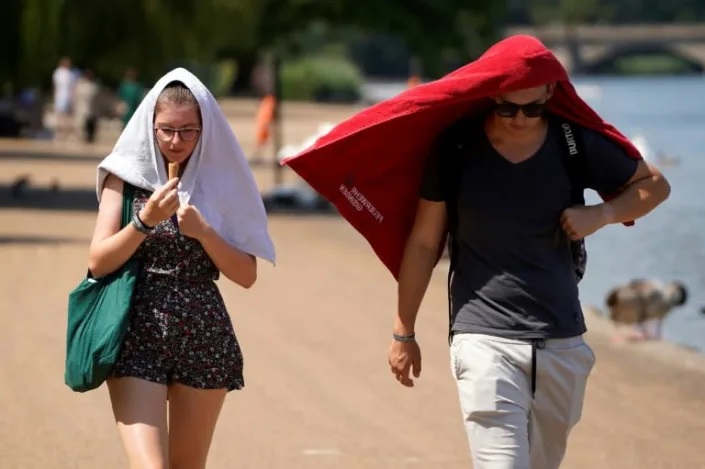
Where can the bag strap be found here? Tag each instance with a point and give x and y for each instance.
(128, 192)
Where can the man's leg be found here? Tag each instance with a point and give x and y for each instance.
(563, 367)
(492, 375)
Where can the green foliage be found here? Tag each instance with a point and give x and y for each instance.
(155, 35)
(326, 78)
(223, 76)
(435, 30)
(569, 12)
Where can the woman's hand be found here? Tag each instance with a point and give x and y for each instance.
(163, 203)
(191, 222)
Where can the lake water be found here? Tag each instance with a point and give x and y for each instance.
(664, 115)
(669, 115)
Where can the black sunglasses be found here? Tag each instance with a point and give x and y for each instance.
(507, 109)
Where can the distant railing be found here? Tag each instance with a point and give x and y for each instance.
(601, 34)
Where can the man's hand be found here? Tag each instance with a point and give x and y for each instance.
(581, 221)
(405, 357)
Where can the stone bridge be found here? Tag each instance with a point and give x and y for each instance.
(583, 44)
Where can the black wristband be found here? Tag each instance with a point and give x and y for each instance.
(404, 338)
(140, 226)
(137, 214)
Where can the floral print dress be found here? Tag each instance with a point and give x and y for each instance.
(180, 330)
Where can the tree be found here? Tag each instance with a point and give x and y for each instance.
(153, 35)
(434, 29)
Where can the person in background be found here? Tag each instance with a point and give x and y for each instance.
(130, 93)
(85, 105)
(64, 82)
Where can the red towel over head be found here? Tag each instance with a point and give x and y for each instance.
(370, 165)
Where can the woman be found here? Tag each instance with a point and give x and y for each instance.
(180, 346)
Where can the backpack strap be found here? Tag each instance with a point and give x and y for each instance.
(453, 150)
(574, 160)
(453, 147)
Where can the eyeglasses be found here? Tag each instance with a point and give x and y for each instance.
(532, 110)
(166, 134)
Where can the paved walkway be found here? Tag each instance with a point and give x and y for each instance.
(315, 332)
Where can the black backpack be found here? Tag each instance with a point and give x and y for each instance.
(453, 145)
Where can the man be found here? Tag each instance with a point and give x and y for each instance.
(518, 355)
(514, 288)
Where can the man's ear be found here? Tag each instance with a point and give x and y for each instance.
(550, 88)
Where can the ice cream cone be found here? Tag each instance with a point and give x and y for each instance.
(173, 170)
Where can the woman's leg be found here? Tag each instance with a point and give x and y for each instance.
(139, 407)
(193, 414)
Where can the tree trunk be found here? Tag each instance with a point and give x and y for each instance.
(243, 81)
(572, 42)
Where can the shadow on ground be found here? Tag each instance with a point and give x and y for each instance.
(40, 240)
(47, 198)
(50, 156)
(23, 195)
(299, 200)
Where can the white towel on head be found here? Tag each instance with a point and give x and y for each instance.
(217, 179)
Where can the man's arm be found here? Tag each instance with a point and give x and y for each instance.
(418, 260)
(646, 189)
(417, 264)
(641, 188)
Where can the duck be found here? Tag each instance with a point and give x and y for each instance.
(642, 301)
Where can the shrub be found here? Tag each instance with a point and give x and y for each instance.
(222, 77)
(321, 78)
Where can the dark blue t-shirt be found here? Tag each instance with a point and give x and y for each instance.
(514, 275)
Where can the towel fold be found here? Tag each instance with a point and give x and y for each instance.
(370, 166)
(217, 179)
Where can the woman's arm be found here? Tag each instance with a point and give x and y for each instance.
(239, 267)
(236, 265)
(111, 246)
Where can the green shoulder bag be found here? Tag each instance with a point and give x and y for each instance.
(98, 316)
